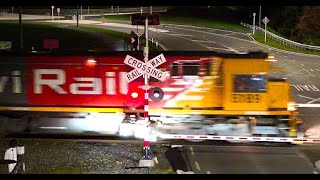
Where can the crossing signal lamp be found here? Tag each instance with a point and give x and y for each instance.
(135, 96)
(156, 94)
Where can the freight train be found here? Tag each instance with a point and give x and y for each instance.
(214, 88)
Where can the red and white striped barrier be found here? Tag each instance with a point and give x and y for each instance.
(239, 138)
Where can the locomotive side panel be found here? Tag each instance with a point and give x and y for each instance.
(13, 83)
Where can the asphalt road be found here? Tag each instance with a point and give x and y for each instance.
(246, 159)
(301, 70)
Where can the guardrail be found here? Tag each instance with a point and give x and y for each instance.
(285, 42)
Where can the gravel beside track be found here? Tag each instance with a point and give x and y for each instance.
(52, 156)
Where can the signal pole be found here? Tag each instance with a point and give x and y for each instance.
(146, 144)
(147, 159)
(259, 16)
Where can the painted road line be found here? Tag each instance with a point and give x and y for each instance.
(204, 41)
(181, 34)
(191, 149)
(197, 165)
(309, 105)
(45, 127)
(208, 172)
(305, 97)
(311, 70)
(220, 49)
(302, 64)
(313, 101)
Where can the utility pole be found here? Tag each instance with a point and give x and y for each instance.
(259, 16)
(88, 10)
(254, 23)
(146, 144)
(77, 16)
(150, 9)
(80, 13)
(118, 10)
(20, 28)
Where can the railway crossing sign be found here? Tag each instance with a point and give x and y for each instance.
(148, 68)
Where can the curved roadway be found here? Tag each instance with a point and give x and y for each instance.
(303, 71)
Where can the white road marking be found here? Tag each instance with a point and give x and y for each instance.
(181, 34)
(130, 26)
(311, 70)
(297, 87)
(305, 97)
(308, 105)
(203, 41)
(191, 149)
(313, 101)
(306, 87)
(197, 165)
(302, 64)
(45, 127)
(295, 72)
(220, 49)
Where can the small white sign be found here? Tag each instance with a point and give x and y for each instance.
(142, 68)
(5, 45)
(265, 20)
(52, 7)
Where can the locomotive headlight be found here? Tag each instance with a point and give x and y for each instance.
(292, 106)
(271, 58)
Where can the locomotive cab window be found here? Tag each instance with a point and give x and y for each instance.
(190, 69)
(208, 68)
(250, 83)
(175, 69)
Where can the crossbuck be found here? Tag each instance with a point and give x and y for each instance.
(148, 68)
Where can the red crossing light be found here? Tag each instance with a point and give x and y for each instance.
(135, 95)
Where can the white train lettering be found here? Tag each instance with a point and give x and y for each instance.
(16, 82)
(82, 85)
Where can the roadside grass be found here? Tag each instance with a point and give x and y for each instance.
(220, 25)
(167, 19)
(35, 33)
(260, 38)
(164, 166)
(126, 37)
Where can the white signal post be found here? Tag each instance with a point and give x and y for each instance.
(146, 144)
(146, 68)
(265, 20)
(254, 23)
(52, 7)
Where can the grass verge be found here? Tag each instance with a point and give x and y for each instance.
(35, 33)
(126, 37)
(167, 19)
(220, 25)
(260, 38)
